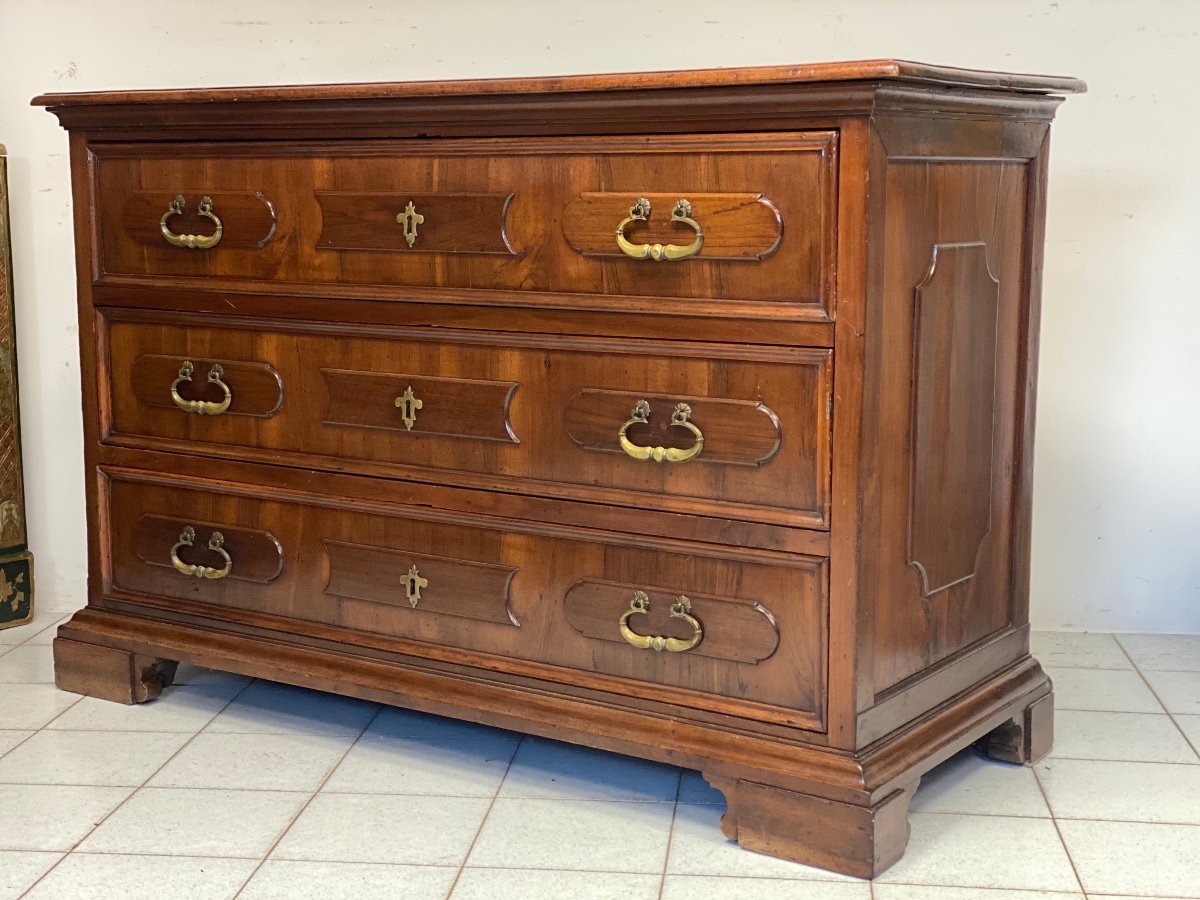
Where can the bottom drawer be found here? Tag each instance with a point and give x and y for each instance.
(724, 629)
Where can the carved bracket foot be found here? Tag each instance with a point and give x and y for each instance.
(1025, 738)
(855, 840)
(110, 673)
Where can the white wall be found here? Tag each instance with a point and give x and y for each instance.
(1117, 504)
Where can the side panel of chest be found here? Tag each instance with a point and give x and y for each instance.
(945, 411)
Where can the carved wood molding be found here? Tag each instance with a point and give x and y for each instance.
(953, 398)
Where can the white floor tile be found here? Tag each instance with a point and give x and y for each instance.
(694, 789)
(188, 675)
(711, 887)
(596, 835)
(30, 706)
(551, 770)
(427, 831)
(89, 876)
(282, 879)
(172, 821)
(262, 762)
(1131, 791)
(1179, 691)
(984, 852)
(971, 783)
(1102, 689)
(10, 739)
(27, 664)
(527, 884)
(452, 767)
(46, 636)
(180, 709)
(699, 848)
(1190, 725)
(267, 707)
(393, 721)
(18, 870)
(43, 618)
(107, 758)
(52, 817)
(1078, 651)
(17, 634)
(931, 892)
(1139, 737)
(1135, 858)
(1171, 652)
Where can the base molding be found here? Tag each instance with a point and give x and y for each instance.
(837, 809)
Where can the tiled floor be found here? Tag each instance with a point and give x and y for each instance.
(227, 787)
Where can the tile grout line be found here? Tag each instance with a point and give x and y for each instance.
(482, 822)
(303, 806)
(131, 794)
(1150, 687)
(662, 881)
(1057, 830)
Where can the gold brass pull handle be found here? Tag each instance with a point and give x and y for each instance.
(680, 609)
(216, 542)
(191, 241)
(681, 418)
(658, 252)
(202, 407)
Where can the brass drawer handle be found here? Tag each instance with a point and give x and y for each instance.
(191, 241)
(681, 418)
(658, 252)
(216, 542)
(681, 609)
(201, 407)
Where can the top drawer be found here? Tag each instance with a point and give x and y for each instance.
(451, 219)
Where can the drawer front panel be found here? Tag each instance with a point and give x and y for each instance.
(502, 591)
(690, 429)
(539, 217)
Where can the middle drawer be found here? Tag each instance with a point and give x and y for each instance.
(706, 429)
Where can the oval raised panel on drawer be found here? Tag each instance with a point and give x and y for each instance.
(423, 583)
(746, 227)
(248, 218)
(255, 554)
(736, 432)
(451, 222)
(255, 388)
(450, 407)
(733, 629)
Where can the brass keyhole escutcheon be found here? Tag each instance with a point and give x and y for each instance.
(413, 582)
(408, 403)
(409, 220)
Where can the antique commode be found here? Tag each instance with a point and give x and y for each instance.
(687, 415)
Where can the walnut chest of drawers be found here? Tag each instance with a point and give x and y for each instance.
(687, 415)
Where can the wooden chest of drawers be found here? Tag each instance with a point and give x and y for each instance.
(687, 415)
